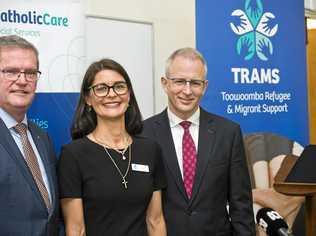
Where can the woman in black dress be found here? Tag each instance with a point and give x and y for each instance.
(110, 178)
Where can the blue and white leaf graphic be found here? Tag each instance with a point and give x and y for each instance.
(255, 29)
(263, 46)
(244, 25)
(264, 27)
(246, 46)
(254, 10)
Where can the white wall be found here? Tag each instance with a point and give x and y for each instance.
(173, 23)
(311, 23)
(310, 4)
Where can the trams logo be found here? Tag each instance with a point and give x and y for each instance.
(255, 28)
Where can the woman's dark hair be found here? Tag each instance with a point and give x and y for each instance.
(85, 119)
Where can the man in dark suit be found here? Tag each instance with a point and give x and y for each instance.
(208, 189)
(28, 186)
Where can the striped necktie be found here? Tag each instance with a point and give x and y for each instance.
(32, 162)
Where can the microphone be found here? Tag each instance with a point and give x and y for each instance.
(272, 223)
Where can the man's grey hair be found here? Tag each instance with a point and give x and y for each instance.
(188, 53)
(14, 41)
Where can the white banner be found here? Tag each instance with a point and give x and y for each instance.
(56, 28)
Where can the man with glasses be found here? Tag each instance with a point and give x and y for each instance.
(208, 189)
(28, 187)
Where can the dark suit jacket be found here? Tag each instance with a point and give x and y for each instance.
(221, 177)
(22, 209)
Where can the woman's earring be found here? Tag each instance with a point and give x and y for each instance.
(89, 108)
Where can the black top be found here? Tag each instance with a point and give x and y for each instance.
(87, 172)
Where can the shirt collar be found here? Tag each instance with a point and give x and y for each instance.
(8, 120)
(175, 120)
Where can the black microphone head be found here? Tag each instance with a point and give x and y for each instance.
(270, 221)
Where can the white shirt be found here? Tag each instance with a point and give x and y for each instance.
(10, 122)
(177, 133)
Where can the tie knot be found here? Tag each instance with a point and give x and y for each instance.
(185, 125)
(20, 128)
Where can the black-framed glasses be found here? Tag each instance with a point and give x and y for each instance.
(182, 82)
(14, 74)
(102, 89)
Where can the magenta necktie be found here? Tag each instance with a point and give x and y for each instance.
(189, 158)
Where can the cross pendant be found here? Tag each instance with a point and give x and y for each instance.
(125, 183)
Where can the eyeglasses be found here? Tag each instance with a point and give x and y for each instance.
(14, 74)
(102, 90)
(181, 83)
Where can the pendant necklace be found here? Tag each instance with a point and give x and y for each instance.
(124, 182)
(121, 152)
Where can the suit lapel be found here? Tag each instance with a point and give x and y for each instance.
(206, 142)
(11, 147)
(164, 136)
(44, 155)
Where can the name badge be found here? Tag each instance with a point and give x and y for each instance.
(139, 167)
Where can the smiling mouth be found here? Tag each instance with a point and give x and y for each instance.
(112, 104)
(20, 92)
(184, 100)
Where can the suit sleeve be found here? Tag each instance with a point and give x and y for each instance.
(240, 197)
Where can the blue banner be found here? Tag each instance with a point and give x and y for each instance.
(257, 64)
(54, 112)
